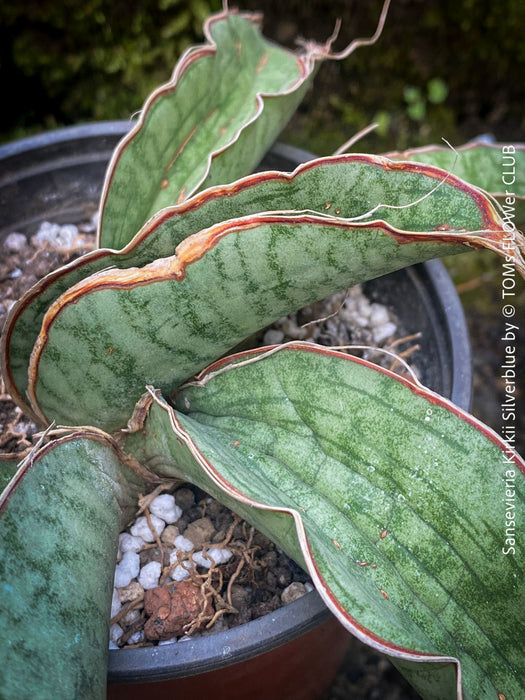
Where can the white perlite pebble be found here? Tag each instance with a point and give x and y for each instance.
(273, 337)
(183, 544)
(291, 328)
(164, 507)
(219, 556)
(115, 632)
(383, 332)
(142, 529)
(129, 543)
(180, 572)
(15, 242)
(61, 238)
(116, 605)
(136, 638)
(149, 575)
(127, 569)
(379, 315)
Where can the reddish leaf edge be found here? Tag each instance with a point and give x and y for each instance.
(494, 238)
(363, 634)
(39, 451)
(412, 153)
(308, 54)
(305, 62)
(197, 245)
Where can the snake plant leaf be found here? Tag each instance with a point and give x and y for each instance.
(60, 517)
(212, 123)
(498, 168)
(8, 468)
(344, 186)
(111, 334)
(107, 337)
(403, 508)
(225, 105)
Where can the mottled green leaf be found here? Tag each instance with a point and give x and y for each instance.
(498, 168)
(59, 524)
(8, 468)
(345, 186)
(396, 501)
(116, 331)
(212, 123)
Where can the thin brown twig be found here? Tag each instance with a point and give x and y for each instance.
(404, 355)
(405, 339)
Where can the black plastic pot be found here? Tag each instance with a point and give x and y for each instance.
(58, 176)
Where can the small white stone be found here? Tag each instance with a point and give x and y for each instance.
(292, 329)
(168, 641)
(112, 644)
(174, 557)
(15, 242)
(129, 543)
(62, 238)
(183, 544)
(361, 321)
(136, 638)
(180, 572)
(17, 272)
(379, 315)
(383, 332)
(364, 307)
(127, 569)
(201, 560)
(149, 575)
(164, 507)
(218, 556)
(115, 632)
(116, 605)
(141, 528)
(273, 337)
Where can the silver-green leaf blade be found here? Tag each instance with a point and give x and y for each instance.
(498, 168)
(342, 187)
(59, 523)
(212, 123)
(396, 500)
(105, 339)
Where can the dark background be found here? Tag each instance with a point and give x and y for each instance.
(73, 61)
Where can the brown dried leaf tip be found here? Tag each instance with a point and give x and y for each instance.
(173, 609)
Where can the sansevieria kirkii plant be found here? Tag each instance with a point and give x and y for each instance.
(126, 348)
